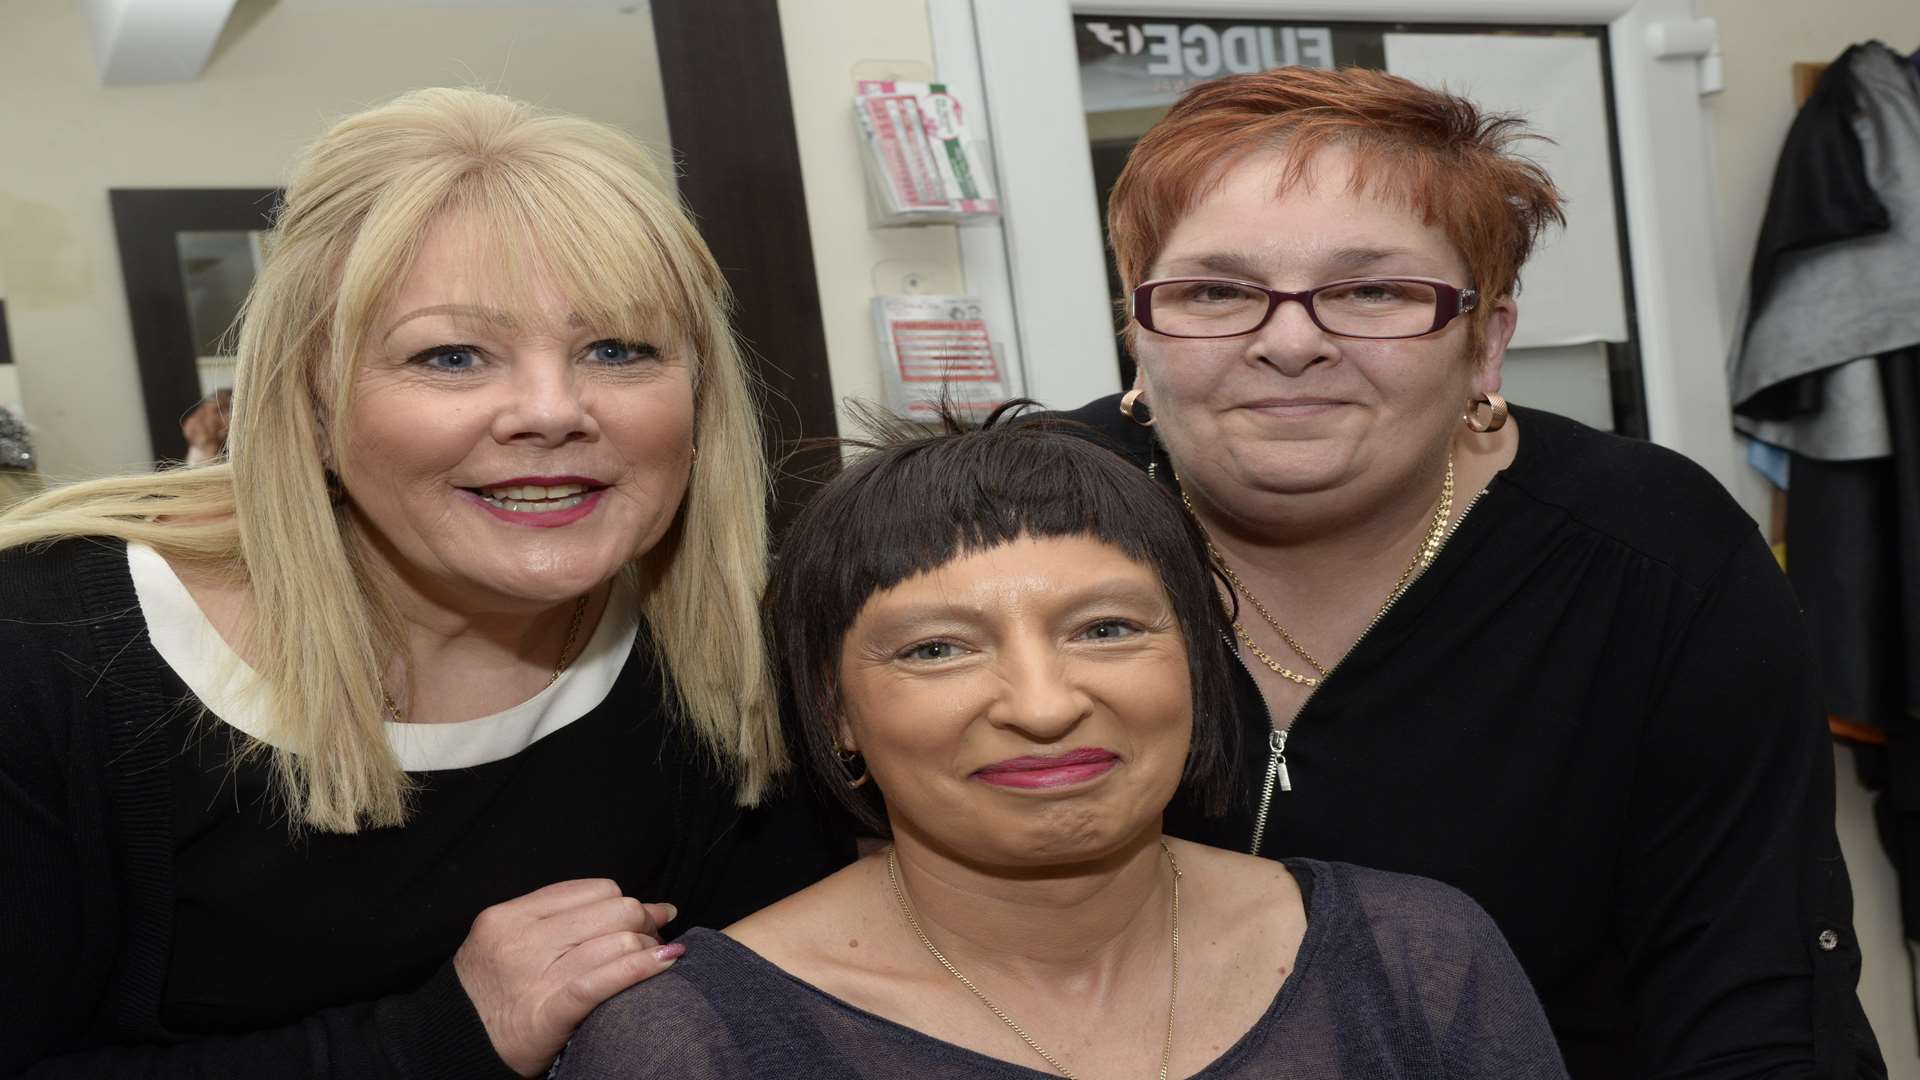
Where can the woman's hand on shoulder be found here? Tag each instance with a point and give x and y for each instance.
(535, 966)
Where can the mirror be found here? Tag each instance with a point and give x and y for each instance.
(217, 267)
(188, 256)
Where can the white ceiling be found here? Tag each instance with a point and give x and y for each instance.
(161, 41)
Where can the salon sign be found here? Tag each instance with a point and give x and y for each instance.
(1142, 62)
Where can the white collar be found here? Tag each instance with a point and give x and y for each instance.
(194, 649)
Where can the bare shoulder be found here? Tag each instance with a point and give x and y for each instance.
(1240, 884)
(1241, 923)
(840, 935)
(1251, 907)
(816, 924)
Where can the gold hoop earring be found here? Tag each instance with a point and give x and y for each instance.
(1495, 419)
(846, 758)
(1132, 400)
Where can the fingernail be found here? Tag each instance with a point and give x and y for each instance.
(667, 954)
(672, 912)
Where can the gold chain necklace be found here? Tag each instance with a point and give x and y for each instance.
(566, 656)
(1166, 1048)
(1422, 558)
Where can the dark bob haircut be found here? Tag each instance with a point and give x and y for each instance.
(916, 502)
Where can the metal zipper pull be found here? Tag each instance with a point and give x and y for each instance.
(1277, 739)
(1277, 742)
(1276, 775)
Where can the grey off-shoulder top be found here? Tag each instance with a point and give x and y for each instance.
(1397, 977)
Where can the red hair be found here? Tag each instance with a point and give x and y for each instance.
(1431, 151)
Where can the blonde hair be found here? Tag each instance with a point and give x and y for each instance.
(573, 201)
(17, 485)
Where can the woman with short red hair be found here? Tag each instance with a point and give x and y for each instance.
(1479, 643)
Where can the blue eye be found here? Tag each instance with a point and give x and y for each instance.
(620, 353)
(448, 358)
(1110, 630)
(930, 650)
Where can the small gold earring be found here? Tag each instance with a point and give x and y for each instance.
(846, 757)
(1130, 402)
(1496, 417)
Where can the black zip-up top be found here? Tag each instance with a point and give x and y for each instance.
(1593, 713)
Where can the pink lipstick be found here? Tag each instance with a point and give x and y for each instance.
(1051, 771)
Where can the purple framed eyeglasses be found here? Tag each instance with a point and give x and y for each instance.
(1371, 308)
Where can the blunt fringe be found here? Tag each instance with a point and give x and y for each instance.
(1435, 153)
(550, 197)
(917, 501)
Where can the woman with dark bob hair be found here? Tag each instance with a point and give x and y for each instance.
(1553, 667)
(999, 648)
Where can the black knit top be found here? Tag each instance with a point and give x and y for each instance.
(157, 917)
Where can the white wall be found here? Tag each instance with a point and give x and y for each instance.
(825, 43)
(1761, 40)
(282, 72)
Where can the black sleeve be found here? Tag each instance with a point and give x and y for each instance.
(1735, 911)
(429, 1034)
(65, 956)
(47, 972)
(48, 1028)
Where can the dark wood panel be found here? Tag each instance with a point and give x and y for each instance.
(1626, 374)
(146, 221)
(731, 121)
(1806, 75)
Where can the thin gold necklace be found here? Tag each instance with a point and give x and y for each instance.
(1422, 558)
(1166, 1048)
(566, 657)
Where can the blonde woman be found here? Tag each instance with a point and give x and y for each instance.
(391, 747)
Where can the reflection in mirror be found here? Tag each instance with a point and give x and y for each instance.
(217, 268)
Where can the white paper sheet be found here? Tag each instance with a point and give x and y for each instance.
(1572, 290)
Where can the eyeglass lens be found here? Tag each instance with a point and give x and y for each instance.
(1384, 308)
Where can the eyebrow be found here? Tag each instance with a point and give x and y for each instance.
(1230, 263)
(468, 311)
(1247, 267)
(1105, 592)
(1359, 258)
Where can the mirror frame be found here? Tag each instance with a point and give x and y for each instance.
(146, 222)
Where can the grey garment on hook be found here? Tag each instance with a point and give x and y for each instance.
(1835, 307)
(1850, 425)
